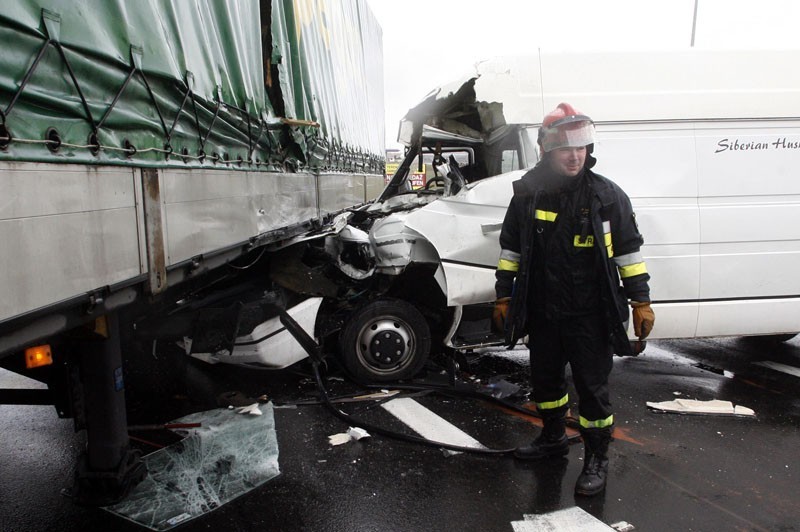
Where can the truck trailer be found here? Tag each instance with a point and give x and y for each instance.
(150, 153)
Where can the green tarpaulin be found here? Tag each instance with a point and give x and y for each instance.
(267, 85)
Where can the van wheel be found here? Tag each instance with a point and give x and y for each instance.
(385, 340)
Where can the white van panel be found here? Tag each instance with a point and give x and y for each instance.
(667, 221)
(675, 272)
(748, 159)
(648, 160)
(656, 165)
(673, 320)
(751, 219)
(467, 284)
(615, 86)
(739, 270)
(749, 201)
(734, 318)
(718, 203)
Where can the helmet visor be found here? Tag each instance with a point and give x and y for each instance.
(575, 134)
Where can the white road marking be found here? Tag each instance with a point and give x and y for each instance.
(568, 520)
(429, 425)
(777, 366)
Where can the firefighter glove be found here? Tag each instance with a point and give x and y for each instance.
(643, 319)
(500, 313)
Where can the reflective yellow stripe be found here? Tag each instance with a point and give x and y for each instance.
(633, 269)
(597, 424)
(609, 247)
(545, 215)
(549, 405)
(588, 243)
(507, 254)
(507, 265)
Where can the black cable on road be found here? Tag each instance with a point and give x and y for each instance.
(351, 421)
(314, 351)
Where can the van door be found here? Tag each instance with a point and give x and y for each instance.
(655, 163)
(749, 200)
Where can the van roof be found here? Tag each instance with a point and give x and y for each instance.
(689, 84)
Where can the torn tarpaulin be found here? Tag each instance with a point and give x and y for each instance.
(692, 406)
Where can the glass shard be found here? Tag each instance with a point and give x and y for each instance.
(228, 456)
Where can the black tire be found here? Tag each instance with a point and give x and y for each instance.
(365, 335)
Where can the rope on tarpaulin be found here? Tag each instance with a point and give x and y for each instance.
(259, 133)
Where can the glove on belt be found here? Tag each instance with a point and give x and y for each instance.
(643, 319)
(500, 313)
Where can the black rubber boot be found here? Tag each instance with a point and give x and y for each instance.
(592, 479)
(550, 443)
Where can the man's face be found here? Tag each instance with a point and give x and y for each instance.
(567, 161)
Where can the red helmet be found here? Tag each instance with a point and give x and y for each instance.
(565, 127)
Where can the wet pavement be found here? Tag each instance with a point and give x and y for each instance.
(668, 471)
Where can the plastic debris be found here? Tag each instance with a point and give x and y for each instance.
(693, 406)
(250, 409)
(339, 439)
(357, 433)
(352, 434)
(622, 526)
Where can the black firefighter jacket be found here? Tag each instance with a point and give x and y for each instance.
(617, 241)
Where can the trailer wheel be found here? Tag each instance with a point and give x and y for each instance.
(385, 340)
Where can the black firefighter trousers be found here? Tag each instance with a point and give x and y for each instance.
(584, 343)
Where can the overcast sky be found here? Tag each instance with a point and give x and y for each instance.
(427, 43)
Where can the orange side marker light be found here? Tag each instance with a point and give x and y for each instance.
(38, 356)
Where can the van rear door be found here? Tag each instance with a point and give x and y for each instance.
(749, 199)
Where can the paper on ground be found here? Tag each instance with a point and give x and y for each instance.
(567, 520)
(693, 406)
(339, 439)
(352, 434)
(357, 433)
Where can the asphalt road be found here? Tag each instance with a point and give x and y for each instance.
(668, 471)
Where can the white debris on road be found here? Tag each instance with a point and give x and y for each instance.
(253, 410)
(693, 406)
(352, 434)
(567, 520)
(357, 433)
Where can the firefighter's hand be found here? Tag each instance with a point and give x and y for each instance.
(500, 313)
(643, 319)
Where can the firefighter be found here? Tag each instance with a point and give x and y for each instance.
(569, 267)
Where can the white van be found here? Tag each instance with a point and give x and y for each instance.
(706, 144)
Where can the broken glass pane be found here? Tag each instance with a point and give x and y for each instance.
(229, 455)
